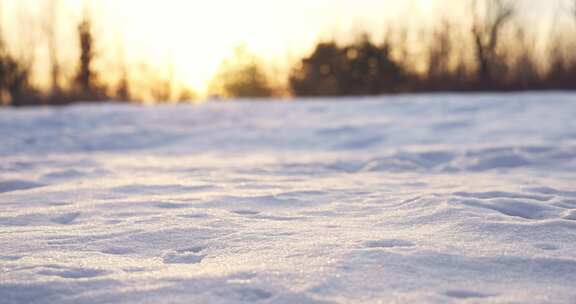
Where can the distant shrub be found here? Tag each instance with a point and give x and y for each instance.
(241, 76)
(362, 68)
(15, 87)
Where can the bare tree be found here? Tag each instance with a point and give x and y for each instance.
(51, 28)
(15, 74)
(525, 69)
(440, 53)
(489, 19)
(162, 88)
(15, 85)
(85, 76)
(123, 84)
(87, 79)
(123, 90)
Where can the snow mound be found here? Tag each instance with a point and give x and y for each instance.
(417, 198)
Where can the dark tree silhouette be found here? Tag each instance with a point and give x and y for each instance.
(562, 70)
(50, 30)
(86, 78)
(446, 69)
(362, 68)
(317, 74)
(489, 20)
(15, 88)
(123, 88)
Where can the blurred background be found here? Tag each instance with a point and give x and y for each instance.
(56, 52)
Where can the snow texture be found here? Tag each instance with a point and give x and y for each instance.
(408, 199)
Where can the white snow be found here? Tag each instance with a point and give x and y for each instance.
(409, 199)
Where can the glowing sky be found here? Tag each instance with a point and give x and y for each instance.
(195, 36)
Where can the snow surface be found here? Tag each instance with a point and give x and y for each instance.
(417, 198)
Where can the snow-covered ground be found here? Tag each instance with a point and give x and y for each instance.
(408, 199)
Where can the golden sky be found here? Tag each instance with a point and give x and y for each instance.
(194, 36)
(197, 35)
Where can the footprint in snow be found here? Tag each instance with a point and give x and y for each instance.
(73, 273)
(466, 294)
(193, 216)
(515, 208)
(66, 174)
(66, 218)
(191, 255)
(134, 269)
(545, 246)
(246, 212)
(169, 205)
(246, 294)
(390, 243)
(16, 185)
(10, 257)
(117, 250)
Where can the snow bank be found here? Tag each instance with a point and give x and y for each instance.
(421, 198)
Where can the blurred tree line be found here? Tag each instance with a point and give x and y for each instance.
(496, 53)
(15, 76)
(78, 79)
(491, 51)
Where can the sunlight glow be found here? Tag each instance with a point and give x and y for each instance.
(188, 40)
(195, 37)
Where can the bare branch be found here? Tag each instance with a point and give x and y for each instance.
(488, 24)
